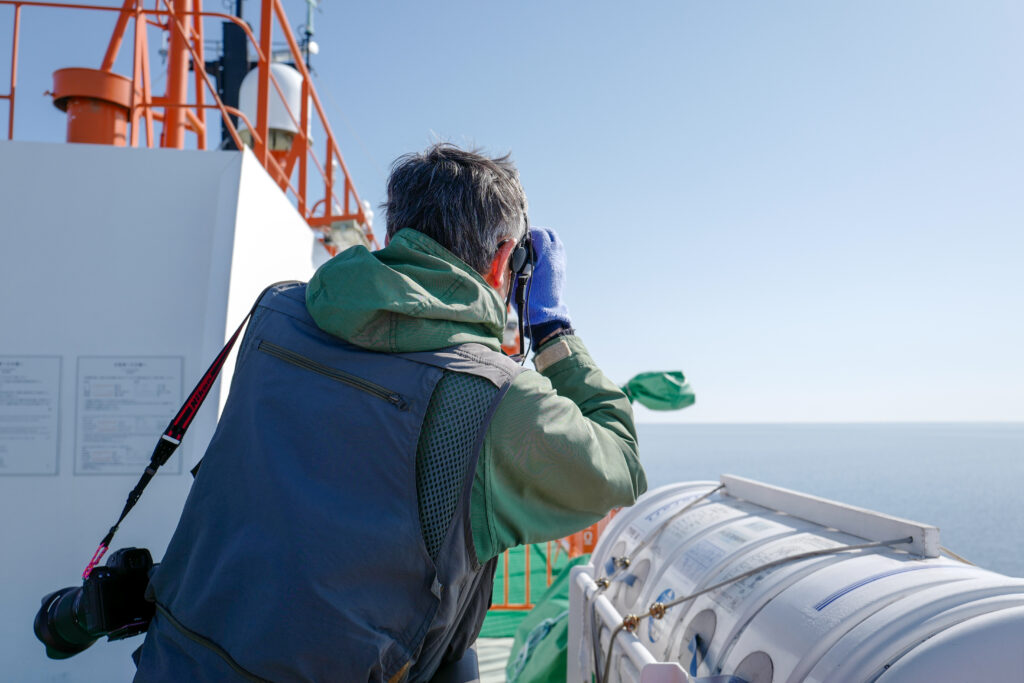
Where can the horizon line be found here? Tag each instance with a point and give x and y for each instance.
(829, 422)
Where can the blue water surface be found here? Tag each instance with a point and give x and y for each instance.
(965, 478)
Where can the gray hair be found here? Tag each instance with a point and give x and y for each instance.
(463, 200)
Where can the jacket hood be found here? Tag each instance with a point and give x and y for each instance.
(412, 295)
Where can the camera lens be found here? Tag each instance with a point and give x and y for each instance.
(58, 627)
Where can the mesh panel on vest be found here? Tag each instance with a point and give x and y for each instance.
(454, 417)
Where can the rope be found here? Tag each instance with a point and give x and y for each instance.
(630, 622)
(956, 557)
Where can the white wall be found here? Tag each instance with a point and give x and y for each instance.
(113, 256)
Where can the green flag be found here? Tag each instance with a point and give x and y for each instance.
(660, 390)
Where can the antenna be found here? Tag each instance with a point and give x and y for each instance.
(309, 47)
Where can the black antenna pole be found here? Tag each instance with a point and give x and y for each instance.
(309, 36)
(230, 69)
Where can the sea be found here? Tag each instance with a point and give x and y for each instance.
(965, 478)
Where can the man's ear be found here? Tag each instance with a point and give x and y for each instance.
(497, 274)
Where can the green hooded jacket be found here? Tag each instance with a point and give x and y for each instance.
(561, 449)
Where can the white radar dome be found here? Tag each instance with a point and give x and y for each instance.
(278, 109)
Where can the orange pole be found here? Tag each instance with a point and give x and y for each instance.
(14, 72)
(147, 93)
(301, 139)
(549, 563)
(118, 36)
(329, 189)
(177, 81)
(136, 110)
(263, 80)
(199, 117)
(527, 601)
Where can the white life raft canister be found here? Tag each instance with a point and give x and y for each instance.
(898, 612)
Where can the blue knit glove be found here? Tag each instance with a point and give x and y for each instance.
(546, 310)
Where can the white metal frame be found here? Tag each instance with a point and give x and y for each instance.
(873, 526)
(583, 597)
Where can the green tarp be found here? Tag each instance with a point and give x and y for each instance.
(539, 650)
(541, 634)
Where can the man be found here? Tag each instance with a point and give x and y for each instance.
(377, 451)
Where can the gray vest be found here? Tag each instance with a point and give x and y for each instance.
(302, 551)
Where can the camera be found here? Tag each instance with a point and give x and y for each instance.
(110, 602)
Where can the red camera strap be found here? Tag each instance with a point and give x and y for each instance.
(175, 432)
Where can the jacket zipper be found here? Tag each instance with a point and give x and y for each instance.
(289, 356)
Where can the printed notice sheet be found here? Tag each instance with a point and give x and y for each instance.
(124, 404)
(29, 414)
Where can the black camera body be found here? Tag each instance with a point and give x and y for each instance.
(113, 597)
(111, 602)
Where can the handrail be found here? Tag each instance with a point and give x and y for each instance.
(183, 20)
(580, 543)
(506, 604)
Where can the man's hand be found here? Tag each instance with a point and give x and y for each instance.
(547, 313)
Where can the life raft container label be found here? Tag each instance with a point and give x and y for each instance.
(731, 596)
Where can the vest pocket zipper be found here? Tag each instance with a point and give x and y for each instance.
(289, 356)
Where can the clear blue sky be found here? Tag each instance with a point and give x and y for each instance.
(815, 210)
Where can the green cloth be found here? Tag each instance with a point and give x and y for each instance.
(561, 448)
(660, 390)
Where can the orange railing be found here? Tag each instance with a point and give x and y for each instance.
(579, 543)
(505, 576)
(183, 21)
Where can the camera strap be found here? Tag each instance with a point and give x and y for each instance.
(175, 432)
(521, 263)
(524, 285)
